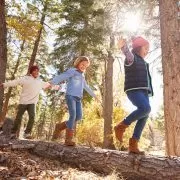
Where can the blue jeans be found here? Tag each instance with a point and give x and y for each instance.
(75, 110)
(140, 99)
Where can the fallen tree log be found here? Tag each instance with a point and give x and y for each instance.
(107, 161)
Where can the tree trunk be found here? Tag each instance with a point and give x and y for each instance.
(131, 167)
(84, 39)
(7, 127)
(170, 43)
(36, 43)
(3, 49)
(108, 101)
(8, 95)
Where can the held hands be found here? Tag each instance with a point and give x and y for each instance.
(53, 87)
(56, 87)
(48, 85)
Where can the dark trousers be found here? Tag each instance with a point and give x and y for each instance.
(30, 108)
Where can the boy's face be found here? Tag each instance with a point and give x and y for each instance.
(35, 73)
(82, 66)
(144, 51)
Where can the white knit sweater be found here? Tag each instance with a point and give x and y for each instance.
(31, 88)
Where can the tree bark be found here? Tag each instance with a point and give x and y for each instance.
(8, 95)
(131, 167)
(7, 127)
(3, 49)
(22, 146)
(108, 100)
(36, 43)
(170, 44)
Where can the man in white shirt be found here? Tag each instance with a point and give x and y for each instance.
(31, 87)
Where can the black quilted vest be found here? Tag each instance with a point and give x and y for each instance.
(137, 75)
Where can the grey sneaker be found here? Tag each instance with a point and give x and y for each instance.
(27, 136)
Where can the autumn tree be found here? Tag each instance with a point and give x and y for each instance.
(22, 32)
(170, 43)
(3, 49)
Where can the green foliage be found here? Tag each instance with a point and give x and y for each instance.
(81, 31)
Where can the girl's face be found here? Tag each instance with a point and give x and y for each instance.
(144, 51)
(82, 66)
(35, 73)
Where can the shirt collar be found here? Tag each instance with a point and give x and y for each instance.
(79, 71)
(33, 77)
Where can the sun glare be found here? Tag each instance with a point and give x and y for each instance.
(132, 22)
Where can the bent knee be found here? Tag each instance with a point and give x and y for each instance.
(146, 109)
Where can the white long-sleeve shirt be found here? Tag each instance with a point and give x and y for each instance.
(31, 88)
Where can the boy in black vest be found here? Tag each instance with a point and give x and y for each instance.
(138, 87)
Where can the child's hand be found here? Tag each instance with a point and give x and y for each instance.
(121, 43)
(48, 85)
(98, 100)
(53, 87)
(1, 85)
(56, 87)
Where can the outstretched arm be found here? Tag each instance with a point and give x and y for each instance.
(64, 76)
(13, 83)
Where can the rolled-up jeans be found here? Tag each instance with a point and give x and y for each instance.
(75, 110)
(140, 99)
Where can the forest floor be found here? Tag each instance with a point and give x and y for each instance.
(22, 165)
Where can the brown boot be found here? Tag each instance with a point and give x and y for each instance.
(58, 129)
(119, 130)
(69, 137)
(133, 147)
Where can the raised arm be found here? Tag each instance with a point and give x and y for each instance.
(64, 76)
(129, 55)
